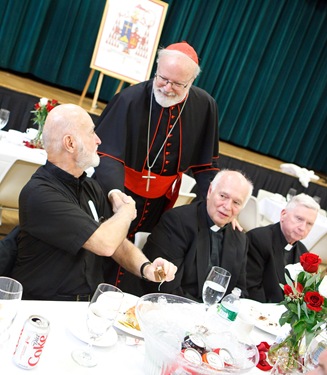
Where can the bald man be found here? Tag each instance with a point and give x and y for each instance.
(67, 226)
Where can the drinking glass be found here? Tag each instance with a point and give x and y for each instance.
(4, 117)
(288, 366)
(290, 194)
(215, 286)
(317, 199)
(10, 296)
(101, 314)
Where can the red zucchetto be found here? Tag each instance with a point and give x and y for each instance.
(185, 48)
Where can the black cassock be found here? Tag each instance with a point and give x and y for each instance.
(192, 145)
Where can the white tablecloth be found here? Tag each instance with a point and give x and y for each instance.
(56, 357)
(271, 209)
(17, 149)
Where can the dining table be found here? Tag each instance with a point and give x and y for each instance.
(13, 144)
(270, 209)
(125, 354)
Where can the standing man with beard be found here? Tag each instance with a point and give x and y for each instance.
(154, 131)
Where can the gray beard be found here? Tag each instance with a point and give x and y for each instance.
(166, 101)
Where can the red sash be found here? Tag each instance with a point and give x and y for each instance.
(159, 186)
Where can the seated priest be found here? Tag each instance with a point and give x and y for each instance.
(274, 246)
(67, 226)
(197, 236)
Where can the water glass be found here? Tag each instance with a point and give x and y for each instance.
(101, 315)
(10, 296)
(4, 117)
(290, 194)
(317, 199)
(214, 288)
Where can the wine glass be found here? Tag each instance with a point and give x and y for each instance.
(101, 314)
(10, 296)
(317, 199)
(290, 194)
(4, 117)
(215, 286)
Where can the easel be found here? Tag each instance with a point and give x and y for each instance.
(97, 90)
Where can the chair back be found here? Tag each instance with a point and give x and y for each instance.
(264, 194)
(140, 239)
(187, 183)
(249, 217)
(185, 195)
(13, 181)
(8, 252)
(320, 248)
(184, 198)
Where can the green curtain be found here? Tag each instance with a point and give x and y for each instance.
(264, 61)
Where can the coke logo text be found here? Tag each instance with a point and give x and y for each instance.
(38, 345)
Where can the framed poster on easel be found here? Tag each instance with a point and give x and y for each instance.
(127, 41)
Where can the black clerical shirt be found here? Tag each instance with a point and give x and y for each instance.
(56, 220)
(216, 243)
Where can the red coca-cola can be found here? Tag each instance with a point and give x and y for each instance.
(31, 341)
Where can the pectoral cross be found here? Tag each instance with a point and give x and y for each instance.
(148, 177)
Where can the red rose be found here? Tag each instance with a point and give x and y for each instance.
(51, 104)
(313, 300)
(288, 289)
(310, 262)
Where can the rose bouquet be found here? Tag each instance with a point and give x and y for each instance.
(41, 110)
(306, 310)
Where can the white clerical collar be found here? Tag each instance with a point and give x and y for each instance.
(215, 228)
(288, 247)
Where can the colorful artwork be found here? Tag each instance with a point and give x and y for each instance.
(128, 38)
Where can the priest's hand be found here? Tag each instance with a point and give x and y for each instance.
(121, 201)
(160, 270)
(236, 224)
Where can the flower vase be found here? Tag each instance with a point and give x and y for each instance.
(37, 141)
(288, 353)
(282, 367)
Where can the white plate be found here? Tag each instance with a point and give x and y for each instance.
(79, 329)
(265, 315)
(129, 301)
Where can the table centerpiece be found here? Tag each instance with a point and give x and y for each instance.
(40, 111)
(306, 311)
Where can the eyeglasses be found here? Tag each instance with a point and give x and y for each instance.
(164, 81)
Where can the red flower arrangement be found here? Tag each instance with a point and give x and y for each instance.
(41, 110)
(306, 309)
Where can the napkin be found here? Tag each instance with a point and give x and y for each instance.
(304, 175)
(263, 364)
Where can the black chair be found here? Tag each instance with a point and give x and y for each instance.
(8, 252)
